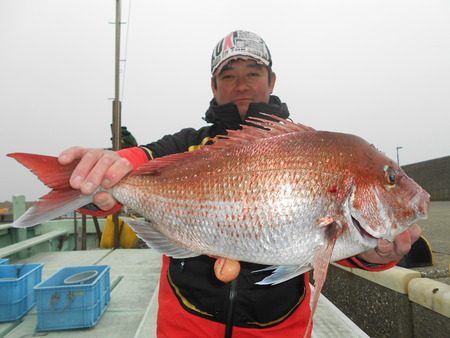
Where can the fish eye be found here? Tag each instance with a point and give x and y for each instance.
(390, 174)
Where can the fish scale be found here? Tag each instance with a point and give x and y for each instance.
(232, 196)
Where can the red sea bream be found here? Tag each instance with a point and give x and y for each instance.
(287, 196)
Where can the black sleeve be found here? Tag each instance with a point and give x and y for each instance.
(178, 142)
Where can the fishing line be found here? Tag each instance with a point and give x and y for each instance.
(125, 51)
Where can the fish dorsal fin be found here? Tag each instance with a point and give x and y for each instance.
(259, 128)
(154, 166)
(256, 129)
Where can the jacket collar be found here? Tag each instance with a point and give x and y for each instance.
(227, 116)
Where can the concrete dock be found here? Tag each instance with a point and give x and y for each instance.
(133, 307)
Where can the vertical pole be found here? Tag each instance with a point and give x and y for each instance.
(398, 156)
(116, 103)
(75, 231)
(83, 232)
(116, 125)
(79, 237)
(19, 208)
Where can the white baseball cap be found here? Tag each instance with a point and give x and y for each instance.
(240, 45)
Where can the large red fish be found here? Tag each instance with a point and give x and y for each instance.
(286, 196)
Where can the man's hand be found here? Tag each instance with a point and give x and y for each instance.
(97, 168)
(387, 252)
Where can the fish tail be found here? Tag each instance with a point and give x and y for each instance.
(61, 200)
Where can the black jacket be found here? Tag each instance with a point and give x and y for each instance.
(197, 288)
(222, 117)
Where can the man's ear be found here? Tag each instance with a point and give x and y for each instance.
(214, 85)
(273, 79)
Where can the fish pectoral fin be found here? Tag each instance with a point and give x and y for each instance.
(321, 262)
(282, 273)
(156, 240)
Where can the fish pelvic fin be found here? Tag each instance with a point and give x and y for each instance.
(156, 240)
(61, 200)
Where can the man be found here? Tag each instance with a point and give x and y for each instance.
(192, 301)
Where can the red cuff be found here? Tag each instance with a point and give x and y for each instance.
(135, 155)
(354, 262)
(93, 210)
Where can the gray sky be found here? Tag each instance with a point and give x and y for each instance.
(377, 69)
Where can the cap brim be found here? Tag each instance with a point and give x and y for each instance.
(241, 56)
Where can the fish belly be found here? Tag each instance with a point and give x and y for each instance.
(271, 227)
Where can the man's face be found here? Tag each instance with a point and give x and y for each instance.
(242, 82)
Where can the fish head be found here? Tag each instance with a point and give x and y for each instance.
(384, 201)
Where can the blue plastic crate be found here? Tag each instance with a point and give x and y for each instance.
(16, 289)
(63, 305)
(4, 261)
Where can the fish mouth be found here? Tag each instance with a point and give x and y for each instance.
(361, 229)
